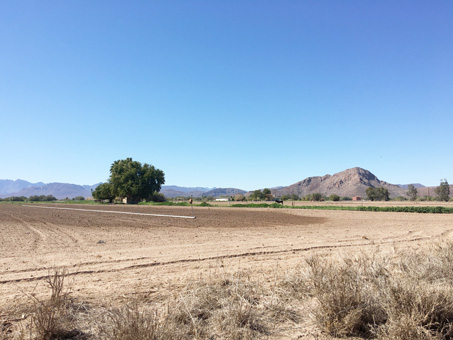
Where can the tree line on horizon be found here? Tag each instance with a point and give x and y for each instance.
(442, 192)
(40, 198)
(33, 198)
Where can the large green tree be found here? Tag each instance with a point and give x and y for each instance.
(131, 179)
(443, 191)
(378, 194)
(267, 194)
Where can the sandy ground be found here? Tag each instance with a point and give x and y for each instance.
(114, 256)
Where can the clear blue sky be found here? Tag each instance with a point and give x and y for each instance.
(245, 94)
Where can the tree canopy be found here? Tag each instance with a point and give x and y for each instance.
(288, 197)
(239, 197)
(412, 192)
(103, 192)
(334, 197)
(257, 195)
(131, 179)
(42, 198)
(443, 191)
(378, 194)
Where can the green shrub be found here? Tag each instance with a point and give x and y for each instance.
(334, 198)
(400, 198)
(79, 198)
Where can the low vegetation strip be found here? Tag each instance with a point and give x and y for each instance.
(426, 210)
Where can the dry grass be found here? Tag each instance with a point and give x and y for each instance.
(228, 307)
(49, 317)
(348, 294)
(131, 322)
(231, 307)
(46, 319)
(403, 295)
(410, 297)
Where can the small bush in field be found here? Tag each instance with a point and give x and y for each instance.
(50, 318)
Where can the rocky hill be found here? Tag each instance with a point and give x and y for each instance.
(351, 182)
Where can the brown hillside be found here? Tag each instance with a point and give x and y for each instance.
(351, 182)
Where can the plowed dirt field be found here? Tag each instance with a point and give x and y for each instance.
(110, 255)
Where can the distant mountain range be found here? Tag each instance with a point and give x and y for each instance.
(350, 182)
(9, 188)
(19, 187)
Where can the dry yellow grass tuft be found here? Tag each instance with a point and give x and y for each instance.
(410, 297)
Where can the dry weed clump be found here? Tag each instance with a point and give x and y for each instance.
(418, 309)
(419, 298)
(227, 308)
(132, 322)
(348, 294)
(48, 316)
(53, 318)
(434, 264)
(410, 297)
(5, 329)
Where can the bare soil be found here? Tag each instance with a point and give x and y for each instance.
(111, 256)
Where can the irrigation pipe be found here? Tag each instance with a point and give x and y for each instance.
(111, 212)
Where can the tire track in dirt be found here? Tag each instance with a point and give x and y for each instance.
(211, 258)
(73, 265)
(446, 233)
